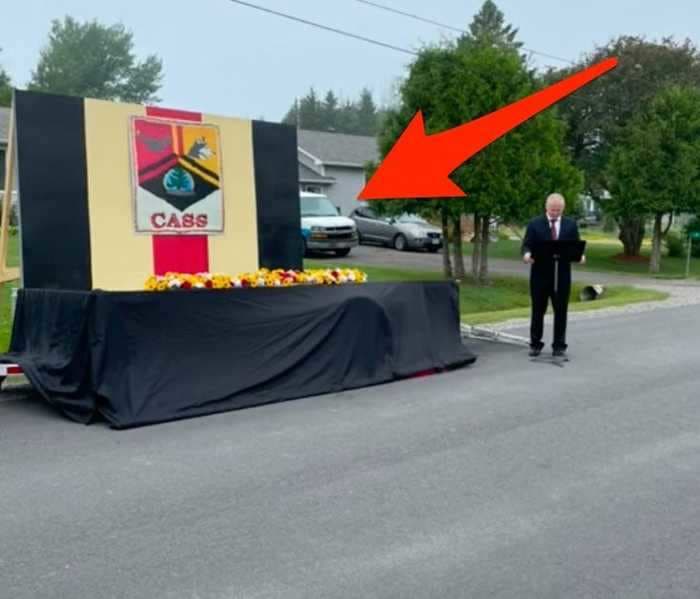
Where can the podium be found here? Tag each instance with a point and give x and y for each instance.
(556, 251)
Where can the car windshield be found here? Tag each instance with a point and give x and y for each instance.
(412, 219)
(319, 206)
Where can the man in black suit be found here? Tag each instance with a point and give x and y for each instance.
(552, 225)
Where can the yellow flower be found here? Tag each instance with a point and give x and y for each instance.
(263, 277)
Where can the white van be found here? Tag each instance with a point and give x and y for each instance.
(322, 227)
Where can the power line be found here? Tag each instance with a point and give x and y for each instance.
(445, 26)
(411, 15)
(325, 27)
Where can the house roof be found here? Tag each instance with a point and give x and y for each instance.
(4, 125)
(338, 148)
(306, 175)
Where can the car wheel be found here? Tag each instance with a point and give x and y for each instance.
(343, 252)
(433, 249)
(400, 243)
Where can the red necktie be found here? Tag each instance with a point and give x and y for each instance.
(554, 229)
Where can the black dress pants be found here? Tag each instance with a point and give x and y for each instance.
(541, 293)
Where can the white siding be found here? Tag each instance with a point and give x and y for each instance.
(348, 185)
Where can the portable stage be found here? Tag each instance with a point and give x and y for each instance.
(113, 193)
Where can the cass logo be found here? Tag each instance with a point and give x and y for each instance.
(177, 176)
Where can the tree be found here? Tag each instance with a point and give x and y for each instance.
(597, 114)
(292, 116)
(308, 113)
(330, 111)
(508, 180)
(358, 118)
(311, 112)
(655, 168)
(488, 28)
(93, 60)
(347, 118)
(5, 88)
(366, 110)
(428, 86)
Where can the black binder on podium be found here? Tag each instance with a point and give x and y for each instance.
(557, 251)
(564, 250)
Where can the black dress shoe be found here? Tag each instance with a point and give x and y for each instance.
(534, 352)
(560, 353)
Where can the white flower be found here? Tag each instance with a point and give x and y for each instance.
(343, 279)
(199, 286)
(175, 284)
(236, 283)
(261, 282)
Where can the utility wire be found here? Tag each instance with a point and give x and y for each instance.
(325, 27)
(450, 27)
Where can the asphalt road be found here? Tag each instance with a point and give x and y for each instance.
(508, 479)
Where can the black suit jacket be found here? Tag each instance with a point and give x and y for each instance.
(542, 272)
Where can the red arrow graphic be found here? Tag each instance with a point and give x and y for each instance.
(419, 165)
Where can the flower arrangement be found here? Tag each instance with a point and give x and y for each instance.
(261, 278)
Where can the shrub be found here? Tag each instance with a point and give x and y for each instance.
(674, 244)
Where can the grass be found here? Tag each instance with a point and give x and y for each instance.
(13, 250)
(602, 254)
(6, 292)
(613, 297)
(506, 297)
(5, 323)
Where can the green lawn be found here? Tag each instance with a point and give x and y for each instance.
(5, 324)
(5, 293)
(13, 250)
(602, 254)
(505, 297)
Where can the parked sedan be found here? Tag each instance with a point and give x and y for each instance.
(408, 231)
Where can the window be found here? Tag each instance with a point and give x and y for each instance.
(365, 213)
(311, 188)
(412, 219)
(318, 206)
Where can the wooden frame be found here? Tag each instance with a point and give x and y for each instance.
(8, 274)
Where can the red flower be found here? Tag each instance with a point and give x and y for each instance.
(186, 285)
(208, 284)
(245, 283)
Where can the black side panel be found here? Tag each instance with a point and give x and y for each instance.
(277, 190)
(53, 191)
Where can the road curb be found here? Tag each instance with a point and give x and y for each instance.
(487, 334)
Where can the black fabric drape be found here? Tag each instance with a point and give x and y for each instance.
(50, 342)
(139, 358)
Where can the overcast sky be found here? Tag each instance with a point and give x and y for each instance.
(224, 58)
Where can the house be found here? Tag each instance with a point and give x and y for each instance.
(334, 164)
